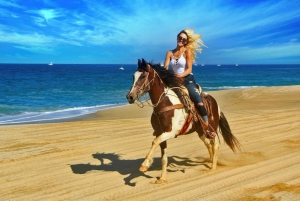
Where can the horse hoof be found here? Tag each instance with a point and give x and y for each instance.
(160, 181)
(143, 168)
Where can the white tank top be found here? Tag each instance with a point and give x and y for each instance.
(178, 64)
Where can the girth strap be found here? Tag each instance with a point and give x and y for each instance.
(188, 121)
(168, 108)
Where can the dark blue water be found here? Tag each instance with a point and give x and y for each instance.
(37, 92)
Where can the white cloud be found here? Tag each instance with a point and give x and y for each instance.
(147, 26)
(39, 21)
(251, 54)
(80, 22)
(154, 24)
(49, 14)
(35, 40)
(37, 49)
(10, 3)
(50, 3)
(5, 13)
(23, 38)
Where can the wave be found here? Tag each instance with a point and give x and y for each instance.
(53, 116)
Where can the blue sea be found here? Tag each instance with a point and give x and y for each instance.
(36, 93)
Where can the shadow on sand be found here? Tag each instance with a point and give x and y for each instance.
(125, 167)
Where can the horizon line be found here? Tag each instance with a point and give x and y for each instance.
(157, 63)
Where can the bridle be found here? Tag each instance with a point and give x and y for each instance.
(141, 90)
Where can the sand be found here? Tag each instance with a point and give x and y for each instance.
(97, 158)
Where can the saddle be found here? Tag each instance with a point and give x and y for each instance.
(189, 106)
(187, 92)
(184, 97)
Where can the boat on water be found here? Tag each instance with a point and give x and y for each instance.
(50, 64)
(121, 68)
(162, 64)
(219, 65)
(236, 65)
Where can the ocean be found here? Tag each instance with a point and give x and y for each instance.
(37, 93)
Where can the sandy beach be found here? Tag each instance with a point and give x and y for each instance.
(98, 158)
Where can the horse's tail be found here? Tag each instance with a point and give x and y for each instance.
(229, 138)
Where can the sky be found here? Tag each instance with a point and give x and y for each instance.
(122, 31)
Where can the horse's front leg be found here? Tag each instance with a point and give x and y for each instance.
(149, 158)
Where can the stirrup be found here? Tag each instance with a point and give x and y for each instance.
(209, 134)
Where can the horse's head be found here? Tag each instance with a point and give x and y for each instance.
(140, 84)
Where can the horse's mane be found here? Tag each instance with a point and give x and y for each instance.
(167, 76)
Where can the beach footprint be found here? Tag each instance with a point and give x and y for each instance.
(292, 143)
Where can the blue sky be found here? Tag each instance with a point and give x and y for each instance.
(120, 31)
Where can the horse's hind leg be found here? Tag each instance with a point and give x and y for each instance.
(212, 146)
(215, 149)
(164, 163)
(208, 146)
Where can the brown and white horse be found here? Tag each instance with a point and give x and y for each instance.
(169, 117)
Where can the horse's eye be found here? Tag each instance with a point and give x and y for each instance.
(143, 76)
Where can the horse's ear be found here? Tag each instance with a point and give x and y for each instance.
(139, 63)
(145, 65)
(144, 62)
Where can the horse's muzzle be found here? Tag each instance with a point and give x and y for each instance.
(130, 98)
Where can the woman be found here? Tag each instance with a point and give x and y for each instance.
(181, 60)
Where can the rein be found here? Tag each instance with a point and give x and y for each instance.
(140, 103)
(161, 98)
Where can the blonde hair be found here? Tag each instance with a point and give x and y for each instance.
(194, 41)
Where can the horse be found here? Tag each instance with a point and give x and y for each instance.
(170, 118)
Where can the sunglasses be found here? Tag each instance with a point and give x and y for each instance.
(181, 39)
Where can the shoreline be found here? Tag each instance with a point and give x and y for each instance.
(118, 112)
(51, 118)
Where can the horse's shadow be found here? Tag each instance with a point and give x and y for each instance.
(125, 167)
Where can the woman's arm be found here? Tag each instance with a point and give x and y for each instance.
(167, 59)
(189, 62)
